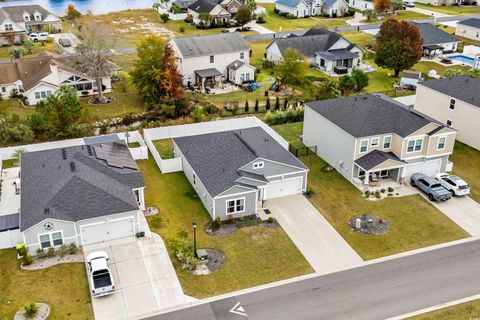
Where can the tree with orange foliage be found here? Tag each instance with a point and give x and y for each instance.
(382, 5)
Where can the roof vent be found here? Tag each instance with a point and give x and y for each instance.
(72, 167)
(364, 98)
(89, 150)
(64, 154)
(46, 211)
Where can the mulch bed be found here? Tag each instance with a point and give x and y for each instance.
(215, 261)
(43, 313)
(107, 100)
(228, 227)
(370, 224)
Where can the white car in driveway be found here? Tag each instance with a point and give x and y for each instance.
(41, 36)
(454, 184)
(99, 275)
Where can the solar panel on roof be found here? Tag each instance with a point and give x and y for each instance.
(116, 155)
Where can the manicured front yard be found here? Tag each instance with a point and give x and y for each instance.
(360, 38)
(452, 10)
(38, 47)
(63, 287)
(415, 223)
(464, 311)
(13, 106)
(466, 164)
(255, 255)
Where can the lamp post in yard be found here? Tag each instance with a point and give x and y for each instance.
(127, 135)
(194, 224)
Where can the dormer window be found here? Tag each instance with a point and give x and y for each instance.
(38, 17)
(258, 165)
(26, 17)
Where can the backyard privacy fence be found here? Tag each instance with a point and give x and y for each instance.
(175, 164)
(302, 151)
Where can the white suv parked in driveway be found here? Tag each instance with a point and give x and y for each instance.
(454, 184)
(41, 36)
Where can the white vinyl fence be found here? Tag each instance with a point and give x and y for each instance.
(175, 164)
(10, 238)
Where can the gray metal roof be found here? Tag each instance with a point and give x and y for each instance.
(217, 157)
(74, 184)
(464, 87)
(472, 22)
(367, 115)
(211, 44)
(337, 54)
(308, 45)
(374, 158)
(434, 35)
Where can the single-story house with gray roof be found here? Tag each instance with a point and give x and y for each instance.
(236, 172)
(209, 60)
(377, 139)
(83, 195)
(306, 8)
(436, 41)
(469, 29)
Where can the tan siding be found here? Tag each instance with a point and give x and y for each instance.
(387, 165)
(379, 147)
(428, 128)
(432, 150)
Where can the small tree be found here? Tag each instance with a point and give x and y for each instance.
(205, 17)
(243, 16)
(474, 73)
(30, 310)
(277, 103)
(15, 53)
(361, 78)
(256, 105)
(72, 12)
(267, 104)
(382, 5)
(252, 5)
(246, 106)
(293, 68)
(285, 103)
(452, 72)
(347, 84)
(397, 5)
(164, 17)
(28, 46)
(369, 14)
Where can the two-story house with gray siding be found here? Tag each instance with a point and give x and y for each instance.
(83, 195)
(454, 101)
(236, 172)
(376, 137)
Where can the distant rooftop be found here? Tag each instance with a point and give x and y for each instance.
(211, 44)
(464, 87)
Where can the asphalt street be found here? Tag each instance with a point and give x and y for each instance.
(376, 291)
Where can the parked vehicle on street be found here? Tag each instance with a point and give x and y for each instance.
(41, 36)
(64, 42)
(99, 275)
(409, 4)
(430, 186)
(454, 184)
(16, 184)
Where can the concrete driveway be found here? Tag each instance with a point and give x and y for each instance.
(317, 240)
(428, 12)
(145, 280)
(67, 35)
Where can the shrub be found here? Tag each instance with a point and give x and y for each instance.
(378, 195)
(216, 223)
(63, 250)
(390, 189)
(382, 190)
(277, 103)
(309, 192)
(51, 252)
(181, 29)
(197, 115)
(27, 260)
(164, 17)
(246, 106)
(281, 117)
(267, 104)
(210, 108)
(256, 105)
(238, 224)
(261, 19)
(250, 223)
(367, 194)
(285, 104)
(290, 16)
(188, 19)
(41, 253)
(72, 248)
(22, 250)
(270, 220)
(30, 310)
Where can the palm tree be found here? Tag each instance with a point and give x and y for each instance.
(28, 46)
(452, 72)
(474, 73)
(369, 14)
(205, 17)
(397, 5)
(16, 53)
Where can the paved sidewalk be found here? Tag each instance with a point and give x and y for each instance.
(356, 20)
(429, 12)
(317, 240)
(258, 28)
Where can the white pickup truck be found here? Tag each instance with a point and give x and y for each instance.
(99, 275)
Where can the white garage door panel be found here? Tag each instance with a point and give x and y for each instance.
(284, 188)
(107, 231)
(429, 168)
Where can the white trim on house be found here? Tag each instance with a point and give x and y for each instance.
(366, 147)
(389, 144)
(235, 206)
(80, 227)
(415, 140)
(234, 194)
(50, 235)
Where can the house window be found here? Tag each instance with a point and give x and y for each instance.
(452, 104)
(374, 142)
(21, 89)
(212, 59)
(361, 173)
(387, 142)
(414, 145)
(449, 123)
(363, 146)
(235, 206)
(4, 90)
(26, 17)
(258, 165)
(38, 17)
(194, 179)
(242, 55)
(8, 27)
(247, 76)
(441, 143)
(51, 239)
(42, 94)
(478, 34)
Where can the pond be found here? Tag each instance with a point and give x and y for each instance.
(96, 6)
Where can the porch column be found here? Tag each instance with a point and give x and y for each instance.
(367, 178)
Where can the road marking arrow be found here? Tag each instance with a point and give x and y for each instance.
(238, 309)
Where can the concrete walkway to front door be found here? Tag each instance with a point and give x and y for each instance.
(317, 240)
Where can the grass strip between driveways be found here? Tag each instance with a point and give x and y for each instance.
(63, 287)
(464, 311)
(466, 164)
(255, 255)
(415, 223)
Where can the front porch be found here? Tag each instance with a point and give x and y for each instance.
(337, 62)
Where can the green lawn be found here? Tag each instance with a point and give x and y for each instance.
(466, 164)
(452, 10)
(277, 23)
(415, 223)
(255, 255)
(361, 38)
(134, 145)
(13, 106)
(400, 15)
(38, 47)
(164, 148)
(464, 311)
(125, 61)
(63, 287)
(7, 164)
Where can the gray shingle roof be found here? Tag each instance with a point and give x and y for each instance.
(374, 158)
(289, 3)
(472, 22)
(337, 54)
(315, 40)
(464, 87)
(211, 44)
(434, 35)
(15, 13)
(217, 157)
(235, 65)
(203, 5)
(91, 189)
(367, 115)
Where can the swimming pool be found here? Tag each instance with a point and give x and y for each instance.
(462, 59)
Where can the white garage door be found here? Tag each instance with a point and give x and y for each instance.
(106, 231)
(429, 168)
(284, 188)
